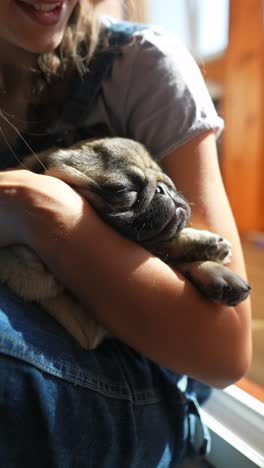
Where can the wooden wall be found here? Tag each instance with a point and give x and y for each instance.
(243, 109)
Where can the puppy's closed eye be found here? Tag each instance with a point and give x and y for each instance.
(117, 197)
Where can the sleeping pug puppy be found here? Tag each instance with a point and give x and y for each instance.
(129, 191)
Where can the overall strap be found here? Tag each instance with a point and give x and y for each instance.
(87, 87)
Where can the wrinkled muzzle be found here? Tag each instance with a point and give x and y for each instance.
(158, 214)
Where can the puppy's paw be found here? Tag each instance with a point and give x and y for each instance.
(215, 247)
(218, 283)
(191, 245)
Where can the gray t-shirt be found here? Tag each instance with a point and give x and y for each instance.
(155, 95)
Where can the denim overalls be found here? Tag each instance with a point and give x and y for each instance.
(63, 407)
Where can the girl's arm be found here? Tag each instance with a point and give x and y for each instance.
(138, 297)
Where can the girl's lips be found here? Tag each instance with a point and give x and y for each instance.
(45, 18)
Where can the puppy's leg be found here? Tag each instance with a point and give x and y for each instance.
(24, 273)
(76, 320)
(194, 244)
(218, 283)
(199, 256)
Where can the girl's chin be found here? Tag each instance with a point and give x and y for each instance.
(41, 47)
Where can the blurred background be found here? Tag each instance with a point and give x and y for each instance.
(226, 39)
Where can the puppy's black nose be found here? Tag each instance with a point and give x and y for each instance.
(176, 200)
(179, 200)
(163, 189)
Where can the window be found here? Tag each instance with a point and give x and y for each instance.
(236, 423)
(192, 21)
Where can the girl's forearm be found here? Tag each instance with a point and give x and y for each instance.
(145, 302)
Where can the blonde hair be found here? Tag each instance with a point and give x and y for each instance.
(78, 44)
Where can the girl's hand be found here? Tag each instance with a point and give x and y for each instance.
(34, 205)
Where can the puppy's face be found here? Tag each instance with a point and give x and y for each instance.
(124, 185)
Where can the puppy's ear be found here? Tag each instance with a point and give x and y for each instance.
(72, 176)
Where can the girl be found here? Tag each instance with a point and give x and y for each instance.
(66, 75)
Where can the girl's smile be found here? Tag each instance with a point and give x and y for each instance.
(46, 13)
(36, 26)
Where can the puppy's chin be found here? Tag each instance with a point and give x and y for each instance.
(161, 221)
(155, 217)
(162, 227)
(165, 216)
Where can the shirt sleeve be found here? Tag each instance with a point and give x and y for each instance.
(165, 101)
